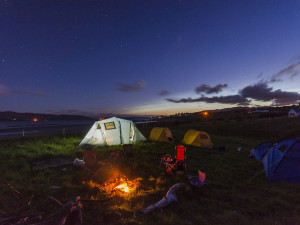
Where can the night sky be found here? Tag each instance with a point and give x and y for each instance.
(147, 57)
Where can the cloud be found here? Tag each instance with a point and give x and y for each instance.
(163, 93)
(137, 86)
(230, 99)
(262, 92)
(259, 92)
(3, 90)
(206, 88)
(290, 72)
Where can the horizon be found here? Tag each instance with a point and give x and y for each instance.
(147, 58)
(155, 115)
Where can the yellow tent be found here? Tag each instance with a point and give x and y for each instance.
(162, 134)
(197, 138)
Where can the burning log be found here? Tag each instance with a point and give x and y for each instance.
(166, 200)
(115, 185)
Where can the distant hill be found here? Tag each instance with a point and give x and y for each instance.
(278, 109)
(6, 116)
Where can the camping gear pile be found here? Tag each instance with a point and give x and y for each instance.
(177, 163)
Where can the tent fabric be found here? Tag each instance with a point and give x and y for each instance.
(282, 161)
(162, 134)
(260, 150)
(112, 131)
(197, 138)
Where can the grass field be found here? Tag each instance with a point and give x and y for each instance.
(237, 191)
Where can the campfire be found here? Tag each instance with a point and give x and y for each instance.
(120, 185)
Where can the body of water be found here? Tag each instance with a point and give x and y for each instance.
(14, 129)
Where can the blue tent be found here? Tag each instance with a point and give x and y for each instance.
(281, 160)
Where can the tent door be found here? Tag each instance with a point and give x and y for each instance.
(101, 131)
(131, 133)
(121, 138)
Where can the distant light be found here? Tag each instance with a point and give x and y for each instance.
(205, 113)
(14, 119)
(101, 118)
(35, 119)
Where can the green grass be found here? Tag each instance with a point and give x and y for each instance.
(230, 196)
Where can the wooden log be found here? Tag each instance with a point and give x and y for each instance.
(55, 201)
(12, 219)
(2, 213)
(50, 163)
(29, 202)
(4, 205)
(69, 212)
(95, 201)
(60, 217)
(31, 220)
(16, 193)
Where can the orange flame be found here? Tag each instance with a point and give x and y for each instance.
(114, 186)
(123, 187)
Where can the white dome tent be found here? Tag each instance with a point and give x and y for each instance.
(112, 131)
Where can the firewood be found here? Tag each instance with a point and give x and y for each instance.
(95, 201)
(2, 213)
(4, 205)
(11, 219)
(29, 202)
(69, 212)
(55, 201)
(60, 217)
(31, 220)
(16, 193)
